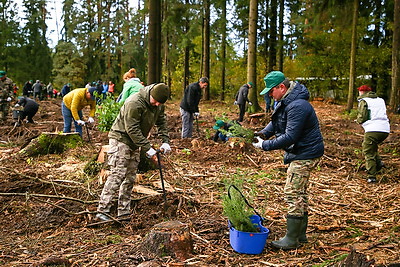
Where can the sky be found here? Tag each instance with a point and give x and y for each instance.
(54, 22)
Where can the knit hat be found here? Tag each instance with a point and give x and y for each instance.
(160, 92)
(251, 84)
(2, 73)
(364, 88)
(271, 80)
(218, 124)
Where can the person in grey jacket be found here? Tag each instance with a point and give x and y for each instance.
(295, 126)
(128, 135)
(241, 99)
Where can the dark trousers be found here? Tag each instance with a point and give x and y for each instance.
(242, 110)
(370, 150)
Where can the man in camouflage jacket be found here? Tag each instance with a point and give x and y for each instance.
(6, 93)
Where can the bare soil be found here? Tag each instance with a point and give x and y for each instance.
(48, 201)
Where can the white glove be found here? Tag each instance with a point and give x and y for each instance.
(9, 99)
(250, 104)
(80, 122)
(235, 103)
(90, 120)
(165, 148)
(151, 152)
(16, 105)
(196, 114)
(259, 142)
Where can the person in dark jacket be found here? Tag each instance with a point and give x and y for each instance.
(27, 90)
(30, 108)
(189, 107)
(296, 129)
(241, 99)
(66, 89)
(127, 137)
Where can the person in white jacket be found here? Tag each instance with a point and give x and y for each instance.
(372, 116)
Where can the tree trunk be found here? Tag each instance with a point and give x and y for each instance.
(252, 55)
(281, 41)
(352, 75)
(272, 37)
(395, 93)
(206, 48)
(154, 42)
(223, 48)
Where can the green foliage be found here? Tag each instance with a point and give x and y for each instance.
(107, 112)
(236, 130)
(237, 211)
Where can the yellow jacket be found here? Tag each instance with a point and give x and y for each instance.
(76, 101)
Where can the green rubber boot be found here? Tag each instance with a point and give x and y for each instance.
(291, 239)
(303, 229)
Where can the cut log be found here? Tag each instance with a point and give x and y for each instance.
(171, 238)
(51, 143)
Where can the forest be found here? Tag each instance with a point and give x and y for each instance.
(333, 46)
(48, 201)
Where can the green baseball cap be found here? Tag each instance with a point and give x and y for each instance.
(218, 124)
(2, 73)
(271, 80)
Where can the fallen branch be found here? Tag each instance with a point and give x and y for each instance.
(49, 196)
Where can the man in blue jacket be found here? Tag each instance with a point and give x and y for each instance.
(296, 129)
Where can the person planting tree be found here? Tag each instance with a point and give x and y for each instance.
(296, 129)
(128, 135)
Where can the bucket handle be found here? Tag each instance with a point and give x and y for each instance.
(245, 200)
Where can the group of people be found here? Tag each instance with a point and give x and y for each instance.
(39, 90)
(294, 126)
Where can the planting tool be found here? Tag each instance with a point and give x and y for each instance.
(161, 177)
(197, 125)
(88, 134)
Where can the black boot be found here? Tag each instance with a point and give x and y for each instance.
(303, 229)
(291, 239)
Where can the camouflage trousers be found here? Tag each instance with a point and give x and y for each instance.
(4, 109)
(296, 186)
(123, 163)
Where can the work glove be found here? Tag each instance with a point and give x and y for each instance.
(196, 114)
(16, 105)
(151, 152)
(250, 104)
(80, 122)
(235, 103)
(90, 120)
(9, 99)
(165, 148)
(259, 142)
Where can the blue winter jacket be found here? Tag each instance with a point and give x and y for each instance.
(295, 126)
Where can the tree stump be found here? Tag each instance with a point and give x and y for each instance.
(171, 238)
(51, 143)
(356, 259)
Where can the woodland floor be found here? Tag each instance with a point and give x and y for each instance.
(47, 201)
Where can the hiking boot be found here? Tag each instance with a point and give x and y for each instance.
(371, 180)
(102, 217)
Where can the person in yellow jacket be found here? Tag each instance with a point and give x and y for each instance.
(73, 104)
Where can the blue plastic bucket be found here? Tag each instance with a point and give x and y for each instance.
(249, 243)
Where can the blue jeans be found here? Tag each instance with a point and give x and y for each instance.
(67, 116)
